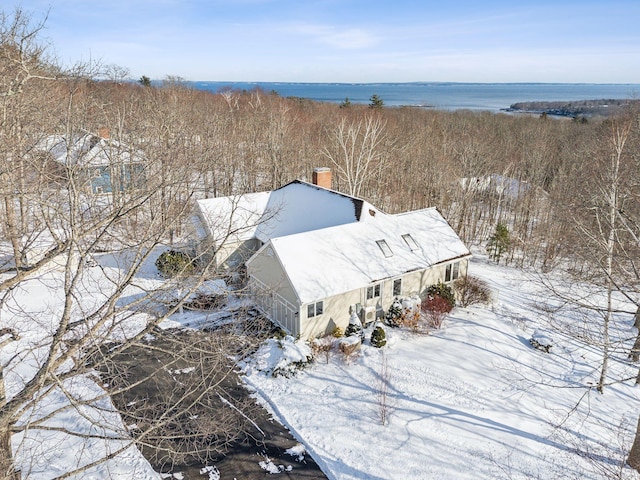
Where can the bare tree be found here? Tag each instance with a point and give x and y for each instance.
(23, 67)
(356, 151)
(601, 229)
(97, 248)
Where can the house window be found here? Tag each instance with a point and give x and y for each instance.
(452, 272)
(373, 291)
(315, 309)
(397, 287)
(411, 243)
(386, 250)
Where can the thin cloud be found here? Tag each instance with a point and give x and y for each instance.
(317, 40)
(344, 39)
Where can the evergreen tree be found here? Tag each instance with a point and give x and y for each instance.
(375, 101)
(354, 327)
(393, 317)
(499, 242)
(173, 263)
(378, 337)
(346, 103)
(144, 81)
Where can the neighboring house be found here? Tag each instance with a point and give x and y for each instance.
(497, 185)
(105, 165)
(313, 254)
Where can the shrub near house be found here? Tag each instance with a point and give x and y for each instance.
(439, 302)
(378, 337)
(173, 263)
(471, 291)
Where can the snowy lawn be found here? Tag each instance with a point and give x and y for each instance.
(472, 400)
(66, 434)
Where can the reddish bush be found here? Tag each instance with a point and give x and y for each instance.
(436, 303)
(435, 308)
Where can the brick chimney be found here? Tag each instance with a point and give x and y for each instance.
(322, 177)
(103, 132)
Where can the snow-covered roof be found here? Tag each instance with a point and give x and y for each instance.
(333, 260)
(88, 150)
(498, 184)
(294, 208)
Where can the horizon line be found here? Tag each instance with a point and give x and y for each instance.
(406, 82)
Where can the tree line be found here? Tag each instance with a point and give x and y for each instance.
(566, 192)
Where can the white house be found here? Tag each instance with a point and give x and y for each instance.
(312, 254)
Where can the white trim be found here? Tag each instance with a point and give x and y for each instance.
(275, 306)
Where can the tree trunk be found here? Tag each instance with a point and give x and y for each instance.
(634, 454)
(634, 355)
(7, 470)
(6, 455)
(610, 245)
(12, 233)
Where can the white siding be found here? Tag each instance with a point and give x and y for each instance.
(336, 308)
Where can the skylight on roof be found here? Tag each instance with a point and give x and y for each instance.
(411, 243)
(386, 250)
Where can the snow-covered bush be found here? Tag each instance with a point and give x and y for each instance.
(354, 330)
(173, 263)
(378, 337)
(393, 317)
(349, 346)
(541, 341)
(411, 318)
(472, 290)
(280, 333)
(355, 327)
(337, 332)
(283, 357)
(322, 347)
(205, 302)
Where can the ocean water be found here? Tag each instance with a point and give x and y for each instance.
(440, 95)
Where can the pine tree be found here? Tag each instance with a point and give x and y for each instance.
(354, 327)
(499, 242)
(346, 103)
(375, 101)
(393, 316)
(172, 263)
(378, 337)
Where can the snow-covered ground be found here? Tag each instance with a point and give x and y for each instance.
(66, 434)
(472, 400)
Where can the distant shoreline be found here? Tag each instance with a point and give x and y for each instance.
(576, 108)
(258, 83)
(494, 97)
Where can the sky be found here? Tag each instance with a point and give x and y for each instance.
(592, 41)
